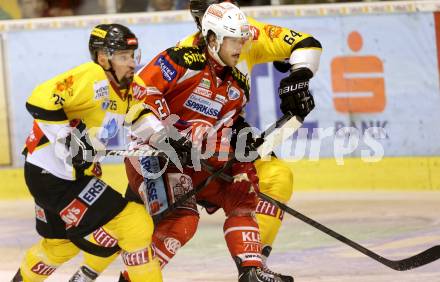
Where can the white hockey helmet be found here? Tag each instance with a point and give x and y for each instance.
(225, 20)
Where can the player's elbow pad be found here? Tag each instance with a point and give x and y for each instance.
(306, 54)
(145, 126)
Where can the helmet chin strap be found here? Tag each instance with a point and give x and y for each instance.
(215, 55)
(124, 83)
(112, 71)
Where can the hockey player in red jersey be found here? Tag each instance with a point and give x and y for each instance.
(271, 43)
(201, 86)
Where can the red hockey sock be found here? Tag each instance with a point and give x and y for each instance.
(243, 239)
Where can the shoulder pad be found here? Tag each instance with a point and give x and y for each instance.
(242, 81)
(189, 57)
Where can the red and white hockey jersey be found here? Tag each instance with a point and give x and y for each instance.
(182, 81)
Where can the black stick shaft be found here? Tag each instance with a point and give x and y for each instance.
(414, 261)
(215, 174)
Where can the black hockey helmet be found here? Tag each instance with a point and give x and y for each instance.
(111, 37)
(199, 7)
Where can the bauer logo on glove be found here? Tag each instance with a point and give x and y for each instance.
(294, 87)
(294, 93)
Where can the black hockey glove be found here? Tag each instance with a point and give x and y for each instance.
(80, 146)
(182, 147)
(239, 134)
(294, 93)
(177, 148)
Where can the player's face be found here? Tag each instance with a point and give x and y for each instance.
(231, 49)
(124, 63)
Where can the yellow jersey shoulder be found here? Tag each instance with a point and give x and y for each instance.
(73, 84)
(190, 40)
(273, 43)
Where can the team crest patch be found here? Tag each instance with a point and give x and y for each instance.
(172, 245)
(168, 71)
(233, 93)
(272, 31)
(181, 184)
(65, 86)
(101, 89)
(40, 214)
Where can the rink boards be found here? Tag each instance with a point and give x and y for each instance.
(391, 174)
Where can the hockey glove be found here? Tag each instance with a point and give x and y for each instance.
(177, 148)
(295, 95)
(80, 146)
(245, 179)
(240, 134)
(183, 148)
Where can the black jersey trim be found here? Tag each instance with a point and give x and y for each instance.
(43, 114)
(309, 42)
(189, 57)
(141, 114)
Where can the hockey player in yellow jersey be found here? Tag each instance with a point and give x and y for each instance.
(75, 114)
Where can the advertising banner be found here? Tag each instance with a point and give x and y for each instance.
(376, 92)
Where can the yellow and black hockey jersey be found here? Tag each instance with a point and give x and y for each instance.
(273, 43)
(83, 92)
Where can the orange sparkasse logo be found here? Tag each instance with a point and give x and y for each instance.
(357, 81)
(272, 31)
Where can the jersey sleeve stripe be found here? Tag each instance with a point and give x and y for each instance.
(43, 114)
(309, 42)
(43, 142)
(143, 113)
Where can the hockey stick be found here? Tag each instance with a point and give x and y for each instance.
(273, 137)
(179, 202)
(414, 261)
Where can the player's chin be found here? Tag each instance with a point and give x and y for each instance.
(233, 60)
